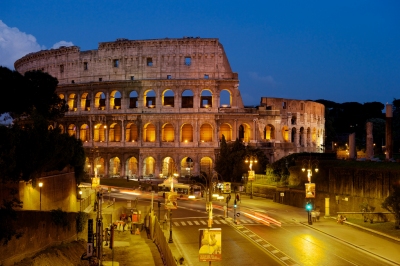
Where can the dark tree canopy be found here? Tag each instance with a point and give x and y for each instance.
(32, 93)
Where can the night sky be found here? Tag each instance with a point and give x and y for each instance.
(343, 51)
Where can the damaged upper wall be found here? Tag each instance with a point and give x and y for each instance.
(186, 58)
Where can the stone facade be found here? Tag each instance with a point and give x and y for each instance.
(158, 107)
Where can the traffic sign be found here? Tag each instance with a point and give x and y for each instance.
(238, 214)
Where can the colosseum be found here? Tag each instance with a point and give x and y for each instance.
(149, 108)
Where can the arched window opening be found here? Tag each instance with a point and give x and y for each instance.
(206, 166)
(225, 130)
(187, 99)
(301, 137)
(100, 133)
(206, 99)
(115, 100)
(149, 133)
(72, 130)
(100, 101)
(72, 105)
(206, 133)
(115, 167)
(131, 167)
(85, 102)
(133, 99)
(168, 134)
(168, 98)
(84, 133)
(131, 133)
(294, 132)
(168, 167)
(114, 134)
(314, 135)
(285, 133)
(61, 127)
(225, 99)
(148, 167)
(269, 132)
(294, 120)
(187, 167)
(187, 133)
(244, 133)
(99, 168)
(150, 99)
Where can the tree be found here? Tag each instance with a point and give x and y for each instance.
(392, 204)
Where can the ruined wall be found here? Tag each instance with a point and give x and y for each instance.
(38, 232)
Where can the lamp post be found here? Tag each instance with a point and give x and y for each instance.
(309, 165)
(80, 200)
(250, 160)
(40, 190)
(170, 240)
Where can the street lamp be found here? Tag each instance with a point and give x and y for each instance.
(250, 160)
(309, 165)
(170, 240)
(40, 189)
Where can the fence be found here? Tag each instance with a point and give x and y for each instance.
(160, 240)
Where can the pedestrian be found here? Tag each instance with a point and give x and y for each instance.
(317, 213)
(237, 197)
(313, 216)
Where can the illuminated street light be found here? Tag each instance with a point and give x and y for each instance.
(309, 165)
(251, 160)
(40, 189)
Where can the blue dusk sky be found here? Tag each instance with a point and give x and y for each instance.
(343, 51)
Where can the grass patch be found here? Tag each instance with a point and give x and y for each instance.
(383, 227)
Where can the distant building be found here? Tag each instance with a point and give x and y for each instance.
(158, 107)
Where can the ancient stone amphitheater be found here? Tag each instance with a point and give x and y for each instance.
(157, 107)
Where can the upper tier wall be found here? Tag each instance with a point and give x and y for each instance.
(187, 58)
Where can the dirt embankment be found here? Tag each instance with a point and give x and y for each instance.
(68, 254)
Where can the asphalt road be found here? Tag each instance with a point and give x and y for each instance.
(284, 241)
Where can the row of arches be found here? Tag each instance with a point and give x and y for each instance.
(148, 167)
(167, 98)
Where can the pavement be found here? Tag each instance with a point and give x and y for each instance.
(138, 249)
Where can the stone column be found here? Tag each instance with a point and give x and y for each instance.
(297, 138)
(389, 140)
(370, 141)
(352, 146)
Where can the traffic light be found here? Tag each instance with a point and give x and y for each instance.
(234, 204)
(308, 206)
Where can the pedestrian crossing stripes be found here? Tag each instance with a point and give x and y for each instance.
(203, 221)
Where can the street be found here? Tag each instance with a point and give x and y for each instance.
(280, 237)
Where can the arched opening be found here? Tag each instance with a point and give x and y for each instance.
(114, 134)
(285, 134)
(131, 133)
(308, 136)
(314, 135)
(100, 101)
(168, 98)
(99, 167)
(301, 137)
(131, 167)
(269, 132)
(84, 133)
(187, 133)
(168, 134)
(115, 167)
(149, 133)
(206, 99)
(100, 133)
(61, 127)
(225, 130)
(148, 166)
(244, 133)
(133, 99)
(294, 120)
(85, 102)
(225, 100)
(115, 100)
(187, 99)
(149, 99)
(168, 167)
(72, 130)
(72, 105)
(294, 133)
(187, 167)
(206, 166)
(206, 133)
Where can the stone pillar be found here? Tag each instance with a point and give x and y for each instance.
(297, 138)
(352, 146)
(370, 141)
(389, 139)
